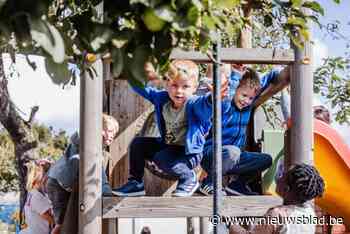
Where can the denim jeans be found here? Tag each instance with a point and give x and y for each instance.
(245, 163)
(171, 159)
(106, 187)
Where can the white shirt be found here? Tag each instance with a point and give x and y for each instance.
(36, 204)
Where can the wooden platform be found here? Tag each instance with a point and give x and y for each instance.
(171, 207)
(240, 55)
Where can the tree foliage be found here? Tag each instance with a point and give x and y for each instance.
(134, 31)
(332, 81)
(50, 144)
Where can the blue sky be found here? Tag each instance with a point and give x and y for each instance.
(60, 108)
(334, 12)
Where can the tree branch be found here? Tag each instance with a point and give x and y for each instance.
(32, 115)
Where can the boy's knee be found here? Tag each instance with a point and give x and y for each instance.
(231, 153)
(266, 160)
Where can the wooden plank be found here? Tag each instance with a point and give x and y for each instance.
(166, 207)
(128, 108)
(240, 55)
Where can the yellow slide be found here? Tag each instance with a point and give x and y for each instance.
(332, 159)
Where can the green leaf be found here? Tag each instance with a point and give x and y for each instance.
(2, 3)
(181, 24)
(315, 6)
(58, 72)
(144, 2)
(118, 62)
(165, 13)
(305, 34)
(315, 19)
(197, 4)
(193, 14)
(138, 60)
(152, 21)
(208, 22)
(296, 41)
(100, 36)
(49, 38)
(119, 41)
(227, 4)
(297, 3)
(297, 21)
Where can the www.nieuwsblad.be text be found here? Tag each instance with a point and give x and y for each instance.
(270, 220)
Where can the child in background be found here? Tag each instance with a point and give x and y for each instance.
(145, 230)
(63, 175)
(248, 92)
(37, 208)
(183, 121)
(299, 185)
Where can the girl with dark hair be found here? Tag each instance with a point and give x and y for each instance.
(297, 186)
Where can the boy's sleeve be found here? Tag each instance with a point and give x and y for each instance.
(235, 78)
(148, 93)
(202, 107)
(268, 79)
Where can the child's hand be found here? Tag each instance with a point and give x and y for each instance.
(150, 71)
(224, 86)
(238, 67)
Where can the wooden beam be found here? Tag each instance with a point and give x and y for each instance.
(166, 207)
(240, 55)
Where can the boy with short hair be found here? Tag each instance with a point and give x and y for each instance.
(236, 114)
(183, 121)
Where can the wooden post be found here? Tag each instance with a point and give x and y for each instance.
(90, 184)
(190, 225)
(203, 225)
(301, 106)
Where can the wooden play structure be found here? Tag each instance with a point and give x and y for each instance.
(99, 214)
(129, 110)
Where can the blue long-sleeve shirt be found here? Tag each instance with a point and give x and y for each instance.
(198, 116)
(234, 120)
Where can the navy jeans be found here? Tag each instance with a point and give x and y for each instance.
(171, 159)
(246, 163)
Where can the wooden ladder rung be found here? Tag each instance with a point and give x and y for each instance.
(171, 207)
(240, 55)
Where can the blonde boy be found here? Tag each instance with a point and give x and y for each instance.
(183, 120)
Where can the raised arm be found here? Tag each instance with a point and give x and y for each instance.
(273, 87)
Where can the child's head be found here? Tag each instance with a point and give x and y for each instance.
(110, 128)
(300, 183)
(145, 230)
(248, 88)
(225, 71)
(182, 81)
(37, 171)
(322, 113)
